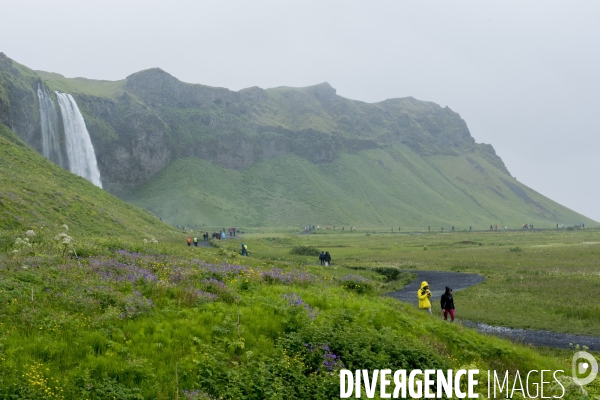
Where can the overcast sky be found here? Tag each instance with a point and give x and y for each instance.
(525, 75)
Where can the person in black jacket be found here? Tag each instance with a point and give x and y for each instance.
(322, 258)
(327, 259)
(447, 303)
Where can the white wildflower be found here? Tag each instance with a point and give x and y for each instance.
(15, 251)
(67, 240)
(65, 227)
(30, 233)
(153, 240)
(60, 237)
(145, 241)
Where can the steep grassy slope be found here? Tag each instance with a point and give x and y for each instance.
(392, 187)
(35, 192)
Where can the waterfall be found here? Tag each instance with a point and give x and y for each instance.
(50, 130)
(80, 151)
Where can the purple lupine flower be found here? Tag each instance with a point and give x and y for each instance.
(276, 275)
(295, 300)
(136, 304)
(329, 360)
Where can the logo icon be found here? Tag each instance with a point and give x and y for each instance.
(579, 367)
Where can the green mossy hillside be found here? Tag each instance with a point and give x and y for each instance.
(34, 192)
(391, 187)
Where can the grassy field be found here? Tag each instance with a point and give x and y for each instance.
(165, 321)
(542, 280)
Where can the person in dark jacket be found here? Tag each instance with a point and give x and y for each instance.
(447, 303)
(322, 257)
(327, 259)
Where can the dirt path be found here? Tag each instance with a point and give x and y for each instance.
(438, 281)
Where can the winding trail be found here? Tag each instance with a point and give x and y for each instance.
(438, 280)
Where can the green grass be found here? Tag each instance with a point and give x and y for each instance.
(372, 188)
(81, 85)
(73, 329)
(37, 194)
(551, 283)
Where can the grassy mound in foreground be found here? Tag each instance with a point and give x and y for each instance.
(167, 320)
(35, 193)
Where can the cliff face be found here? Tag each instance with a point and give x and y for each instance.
(132, 143)
(19, 108)
(141, 125)
(237, 129)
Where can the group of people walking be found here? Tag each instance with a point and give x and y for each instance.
(446, 301)
(194, 240)
(205, 236)
(325, 258)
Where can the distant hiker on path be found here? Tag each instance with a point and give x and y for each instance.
(327, 258)
(322, 257)
(196, 241)
(470, 228)
(424, 294)
(447, 303)
(244, 249)
(189, 241)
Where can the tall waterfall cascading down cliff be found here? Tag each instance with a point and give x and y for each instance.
(51, 148)
(80, 151)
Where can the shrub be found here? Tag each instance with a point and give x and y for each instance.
(358, 284)
(390, 273)
(305, 251)
(515, 249)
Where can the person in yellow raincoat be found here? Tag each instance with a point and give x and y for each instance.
(424, 294)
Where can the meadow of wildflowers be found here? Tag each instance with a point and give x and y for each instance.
(148, 322)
